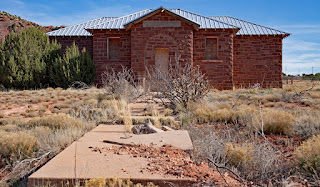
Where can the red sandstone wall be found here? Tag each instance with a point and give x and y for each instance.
(144, 40)
(81, 41)
(100, 56)
(257, 59)
(219, 72)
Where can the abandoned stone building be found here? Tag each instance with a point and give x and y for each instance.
(231, 52)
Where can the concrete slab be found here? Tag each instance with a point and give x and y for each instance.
(178, 138)
(78, 162)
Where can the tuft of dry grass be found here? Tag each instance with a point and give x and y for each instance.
(10, 128)
(308, 155)
(167, 112)
(238, 153)
(56, 121)
(276, 121)
(17, 145)
(114, 182)
(307, 123)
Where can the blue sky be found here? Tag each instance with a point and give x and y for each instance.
(301, 50)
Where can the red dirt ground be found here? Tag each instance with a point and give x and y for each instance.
(170, 161)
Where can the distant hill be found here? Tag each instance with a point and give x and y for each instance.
(15, 23)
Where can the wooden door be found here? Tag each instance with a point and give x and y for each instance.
(161, 61)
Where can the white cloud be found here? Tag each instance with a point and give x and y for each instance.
(301, 50)
(300, 29)
(300, 55)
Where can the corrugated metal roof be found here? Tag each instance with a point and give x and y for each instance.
(203, 21)
(248, 28)
(119, 23)
(79, 29)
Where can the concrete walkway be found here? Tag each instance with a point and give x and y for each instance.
(78, 162)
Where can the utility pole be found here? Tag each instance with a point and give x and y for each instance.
(312, 70)
(286, 71)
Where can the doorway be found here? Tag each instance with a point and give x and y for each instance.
(161, 62)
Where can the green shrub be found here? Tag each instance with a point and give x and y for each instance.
(73, 66)
(17, 145)
(28, 60)
(308, 155)
(23, 57)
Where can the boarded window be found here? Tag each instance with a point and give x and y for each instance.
(211, 49)
(113, 48)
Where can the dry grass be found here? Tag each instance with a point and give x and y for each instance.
(115, 182)
(167, 112)
(15, 146)
(56, 121)
(276, 121)
(307, 123)
(238, 153)
(237, 117)
(308, 155)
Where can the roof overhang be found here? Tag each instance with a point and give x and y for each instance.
(156, 11)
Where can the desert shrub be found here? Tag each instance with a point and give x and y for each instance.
(167, 112)
(96, 182)
(56, 121)
(251, 161)
(114, 182)
(276, 121)
(117, 182)
(205, 113)
(73, 66)
(307, 102)
(308, 155)
(16, 146)
(238, 153)
(23, 58)
(307, 124)
(9, 128)
(181, 84)
(269, 98)
(122, 83)
(12, 120)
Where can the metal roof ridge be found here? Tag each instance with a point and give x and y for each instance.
(255, 24)
(207, 18)
(79, 24)
(91, 27)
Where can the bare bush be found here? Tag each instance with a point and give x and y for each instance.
(249, 161)
(122, 83)
(180, 84)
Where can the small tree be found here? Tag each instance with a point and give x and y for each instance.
(23, 58)
(72, 66)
